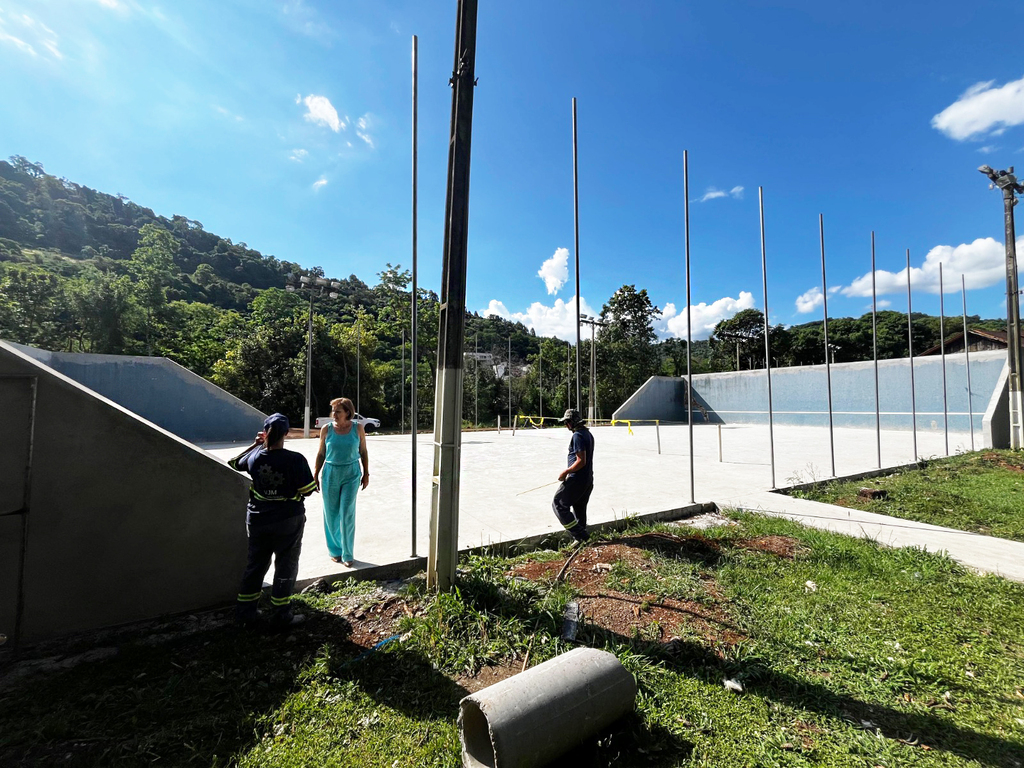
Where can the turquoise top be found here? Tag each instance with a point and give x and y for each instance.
(342, 449)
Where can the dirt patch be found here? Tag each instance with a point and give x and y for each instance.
(999, 461)
(782, 546)
(488, 675)
(647, 617)
(374, 617)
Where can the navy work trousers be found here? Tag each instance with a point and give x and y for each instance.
(570, 505)
(281, 540)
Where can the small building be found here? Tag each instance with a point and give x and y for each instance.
(981, 340)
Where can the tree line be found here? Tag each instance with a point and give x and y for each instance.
(85, 271)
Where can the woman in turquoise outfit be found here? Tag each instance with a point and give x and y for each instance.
(342, 446)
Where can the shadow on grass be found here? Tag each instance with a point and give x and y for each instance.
(200, 699)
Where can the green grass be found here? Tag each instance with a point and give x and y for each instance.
(892, 658)
(982, 492)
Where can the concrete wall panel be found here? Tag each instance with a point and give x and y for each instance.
(800, 394)
(126, 521)
(16, 397)
(161, 391)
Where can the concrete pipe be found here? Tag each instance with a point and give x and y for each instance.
(531, 718)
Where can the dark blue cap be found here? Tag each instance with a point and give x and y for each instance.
(276, 425)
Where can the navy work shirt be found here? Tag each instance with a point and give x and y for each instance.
(582, 440)
(280, 480)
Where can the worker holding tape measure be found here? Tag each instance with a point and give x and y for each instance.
(570, 502)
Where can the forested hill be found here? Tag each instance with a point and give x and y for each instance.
(42, 212)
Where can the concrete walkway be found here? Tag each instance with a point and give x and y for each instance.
(507, 482)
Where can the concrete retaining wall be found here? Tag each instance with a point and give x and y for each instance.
(161, 391)
(105, 518)
(800, 394)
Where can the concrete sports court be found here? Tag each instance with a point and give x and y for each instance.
(507, 483)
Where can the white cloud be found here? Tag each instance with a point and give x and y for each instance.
(113, 4)
(982, 263)
(988, 149)
(298, 155)
(713, 193)
(882, 303)
(29, 31)
(558, 320)
(704, 316)
(320, 111)
(363, 125)
(982, 110)
(555, 271)
(809, 300)
(228, 113)
(319, 183)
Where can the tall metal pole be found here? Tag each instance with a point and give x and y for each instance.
(942, 346)
(540, 380)
(828, 365)
(359, 352)
(910, 350)
(309, 367)
(874, 350)
(576, 225)
(593, 374)
(413, 301)
(767, 338)
(689, 319)
(444, 516)
(401, 422)
(508, 378)
(568, 374)
(967, 358)
(476, 380)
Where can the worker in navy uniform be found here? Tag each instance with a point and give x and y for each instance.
(275, 518)
(570, 502)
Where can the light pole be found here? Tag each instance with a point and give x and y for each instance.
(1007, 182)
(508, 376)
(315, 286)
(593, 322)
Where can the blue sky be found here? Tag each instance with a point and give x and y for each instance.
(286, 125)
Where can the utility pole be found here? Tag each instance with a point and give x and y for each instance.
(1007, 182)
(593, 322)
(315, 286)
(540, 380)
(444, 507)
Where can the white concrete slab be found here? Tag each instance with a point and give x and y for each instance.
(508, 481)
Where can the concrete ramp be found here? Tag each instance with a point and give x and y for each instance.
(105, 518)
(161, 391)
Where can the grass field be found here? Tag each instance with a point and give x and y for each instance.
(847, 654)
(982, 492)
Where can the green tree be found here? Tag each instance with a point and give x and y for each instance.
(626, 355)
(152, 269)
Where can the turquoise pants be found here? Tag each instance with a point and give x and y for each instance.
(339, 488)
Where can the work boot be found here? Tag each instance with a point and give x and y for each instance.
(284, 622)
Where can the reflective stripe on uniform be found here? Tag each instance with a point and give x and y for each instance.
(280, 600)
(249, 598)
